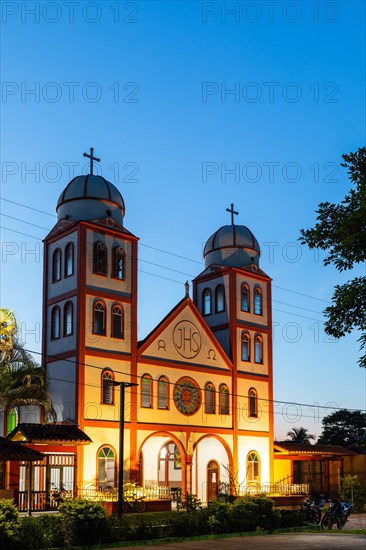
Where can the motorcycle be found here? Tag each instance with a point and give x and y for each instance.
(337, 514)
(312, 510)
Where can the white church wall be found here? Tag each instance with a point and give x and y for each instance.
(209, 448)
(66, 284)
(150, 452)
(62, 387)
(64, 343)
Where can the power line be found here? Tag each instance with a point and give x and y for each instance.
(154, 248)
(267, 400)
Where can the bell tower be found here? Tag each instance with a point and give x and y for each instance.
(89, 300)
(234, 296)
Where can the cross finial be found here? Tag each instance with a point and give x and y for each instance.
(91, 157)
(232, 212)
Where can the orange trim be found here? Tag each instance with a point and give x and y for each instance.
(270, 379)
(107, 295)
(176, 364)
(61, 297)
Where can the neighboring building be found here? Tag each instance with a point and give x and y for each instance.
(202, 412)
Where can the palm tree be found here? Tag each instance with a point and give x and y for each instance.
(22, 380)
(8, 327)
(300, 435)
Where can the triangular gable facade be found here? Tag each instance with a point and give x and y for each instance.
(184, 337)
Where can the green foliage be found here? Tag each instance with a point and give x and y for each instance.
(353, 491)
(190, 503)
(83, 521)
(341, 231)
(9, 525)
(343, 428)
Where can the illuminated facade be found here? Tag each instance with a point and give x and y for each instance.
(202, 411)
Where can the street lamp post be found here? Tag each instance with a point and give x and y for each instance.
(122, 385)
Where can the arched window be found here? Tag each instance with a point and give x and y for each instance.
(55, 323)
(107, 388)
(253, 464)
(257, 301)
(258, 349)
(146, 391)
(12, 418)
(252, 403)
(118, 256)
(69, 259)
(117, 322)
(99, 318)
(220, 298)
(245, 347)
(209, 398)
(245, 297)
(56, 265)
(68, 318)
(223, 399)
(106, 467)
(100, 258)
(163, 393)
(206, 301)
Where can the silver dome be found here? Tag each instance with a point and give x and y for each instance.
(232, 246)
(90, 197)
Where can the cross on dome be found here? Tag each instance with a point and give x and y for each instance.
(91, 157)
(232, 212)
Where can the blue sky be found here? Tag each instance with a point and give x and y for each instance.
(192, 108)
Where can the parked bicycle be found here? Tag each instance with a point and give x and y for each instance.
(133, 504)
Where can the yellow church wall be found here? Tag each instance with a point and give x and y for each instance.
(251, 366)
(173, 415)
(282, 469)
(104, 437)
(94, 409)
(107, 342)
(100, 281)
(245, 422)
(185, 339)
(251, 317)
(262, 446)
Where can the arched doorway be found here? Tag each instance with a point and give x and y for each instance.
(170, 466)
(213, 480)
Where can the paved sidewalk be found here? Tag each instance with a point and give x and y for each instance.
(296, 541)
(356, 521)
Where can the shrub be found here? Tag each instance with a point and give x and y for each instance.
(9, 525)
(353, 491)
(83, 522)
(44, 531)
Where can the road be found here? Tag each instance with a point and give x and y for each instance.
(296, 541)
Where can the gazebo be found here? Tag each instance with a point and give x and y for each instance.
(10, 451)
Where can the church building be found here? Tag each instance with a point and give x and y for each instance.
(197, 390)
